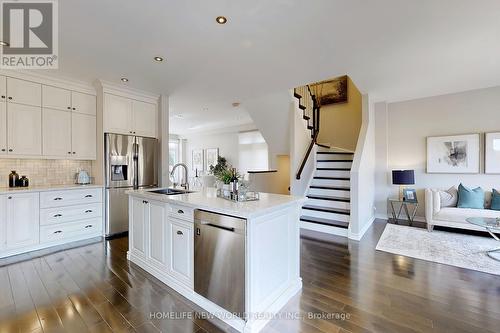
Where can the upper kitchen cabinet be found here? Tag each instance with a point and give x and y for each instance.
(24, 129)
(24, 92)
(3, 88)
(83, 103)
(3, 128)
(56, 139)
(83, 136)
(129, 116)
(56, 98)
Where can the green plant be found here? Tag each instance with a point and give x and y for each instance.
(225, 176)
(220, 167)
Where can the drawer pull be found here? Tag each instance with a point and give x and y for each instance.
(9, 198)
(88, 195)
(88, 226)
(58, 232)
(145, 202)
(58, 215)
(88, 211)
(180, 211)
(179, 232)
(57, 199)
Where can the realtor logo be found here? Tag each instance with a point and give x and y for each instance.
(29, 30)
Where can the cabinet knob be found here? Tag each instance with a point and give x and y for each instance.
(179, 232)
(3, 96)
(180, 211)
(58, 215)
(69, 152)
(74, 108)
(10, 97)
(69, 107)
(3, 149)
(57, 199)
(88, 226)
(88, 196)
(88, 211)
(9, 198)
(58, 232)
(11, 149)
(74, 152)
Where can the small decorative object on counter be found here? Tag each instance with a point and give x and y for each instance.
(13, 178)
(24, 181)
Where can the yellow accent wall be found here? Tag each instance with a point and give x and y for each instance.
(340, 123)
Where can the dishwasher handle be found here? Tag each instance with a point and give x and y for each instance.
(219, 226)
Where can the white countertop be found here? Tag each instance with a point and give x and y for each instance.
(207, 199)
(45, 188)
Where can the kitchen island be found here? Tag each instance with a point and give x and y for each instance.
(239, 261)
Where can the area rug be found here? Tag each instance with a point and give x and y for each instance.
(443, 247)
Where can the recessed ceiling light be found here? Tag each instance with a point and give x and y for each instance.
(159, 59)
(2, 43)
(221, 20)
(124, 79)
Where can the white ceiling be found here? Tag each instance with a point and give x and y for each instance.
(392, 49)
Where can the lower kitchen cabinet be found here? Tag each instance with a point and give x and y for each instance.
(139, 216)
(20, 218)
(158, 233)
(180, 243)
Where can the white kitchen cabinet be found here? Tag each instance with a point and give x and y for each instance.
(24, 92)
(83, 136)
(158, 233)
(56, 98)
(180, 250)
(21, 220)
(117, 114)
(139, 216)
(3, 129)
(24, 129)
(3, 222)
(3, 88)
(83, 103)
(56, 125)
(144, 118)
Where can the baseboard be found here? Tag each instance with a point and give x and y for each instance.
(324, 228)
(359, 236)
(387, 216)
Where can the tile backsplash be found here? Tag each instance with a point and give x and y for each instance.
(43, 172)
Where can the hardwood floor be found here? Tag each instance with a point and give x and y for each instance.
(348, 287)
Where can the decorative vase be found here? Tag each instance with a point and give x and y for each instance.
(226, 190)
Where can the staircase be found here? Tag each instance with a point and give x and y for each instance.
(328, 204)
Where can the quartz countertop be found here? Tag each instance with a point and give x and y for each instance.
(207, 199)
(45, 188)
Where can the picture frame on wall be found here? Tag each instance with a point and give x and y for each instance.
(197, 159)
(211, 155)
(492, 153)
(453, 154)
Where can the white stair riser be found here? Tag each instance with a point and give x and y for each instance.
(333, 157)
(332, 193)
(328, 203)
(332, 173)
(324, 228)
(325, 215)
(334, 164)
(330, 182)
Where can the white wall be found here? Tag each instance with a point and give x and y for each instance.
(363, 174)
(410, 122)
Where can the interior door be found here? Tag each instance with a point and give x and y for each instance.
(147, 161)
(56, 127)
(24, 129)
(83, 136)
(3, 128)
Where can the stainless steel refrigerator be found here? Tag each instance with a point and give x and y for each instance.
(131, 162)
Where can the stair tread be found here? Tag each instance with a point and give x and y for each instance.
(302, 107)
(328, 209)
(334, 169)
(328, 197)
(306, 117)
(318, 220)
(332, 178)
(334, 160)
(335, 153)
(339, 188)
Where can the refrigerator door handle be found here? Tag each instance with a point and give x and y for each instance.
(135, 159)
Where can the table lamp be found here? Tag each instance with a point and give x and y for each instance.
(403, 177)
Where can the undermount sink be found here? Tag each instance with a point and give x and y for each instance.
(170, 191)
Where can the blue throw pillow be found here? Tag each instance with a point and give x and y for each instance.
(470, 198)
(495, 200)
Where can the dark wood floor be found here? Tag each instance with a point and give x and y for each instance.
(348, 287)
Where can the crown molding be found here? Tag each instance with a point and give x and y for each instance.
(59, 82)
(117, 89)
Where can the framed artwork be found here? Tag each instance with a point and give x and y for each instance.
(492, 153)
(410, 195)
(453, 154)
(211, 155)
(197, 161)
(331, 91)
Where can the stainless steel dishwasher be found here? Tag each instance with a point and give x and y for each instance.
(219, 260)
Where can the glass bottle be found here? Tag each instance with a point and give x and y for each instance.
(24, 181)
(13, 178)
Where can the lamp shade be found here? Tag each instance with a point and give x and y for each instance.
(403, 177)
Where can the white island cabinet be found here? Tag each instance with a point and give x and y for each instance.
(162, 241)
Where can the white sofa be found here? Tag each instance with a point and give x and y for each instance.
(452, 216)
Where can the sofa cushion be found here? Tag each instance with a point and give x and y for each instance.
(470, 198)
(495, 200)
(459, 215)
(449, 198)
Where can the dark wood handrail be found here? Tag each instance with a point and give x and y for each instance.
(314, 131)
